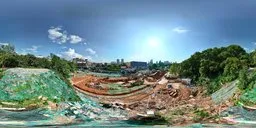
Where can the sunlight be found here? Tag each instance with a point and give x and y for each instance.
(154, 42)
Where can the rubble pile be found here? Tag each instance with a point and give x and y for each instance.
(160, 95)
(112, 86)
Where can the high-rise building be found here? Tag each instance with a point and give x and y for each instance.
(122, 61)
(151, 62)
(117, 61)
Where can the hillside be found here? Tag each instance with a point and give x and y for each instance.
(24, 87)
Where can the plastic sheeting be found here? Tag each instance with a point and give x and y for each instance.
(225, 92)
(249, 97)
(18, 85)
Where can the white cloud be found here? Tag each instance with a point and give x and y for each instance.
(74, 39)
(39, 56)
(71, 53)
(33, 49)
(57, 35)
(91, 51)
(180, 30)
(88, 57)
(63, 47)
(3, 43)
(60, 36)
(59, 55)
(254, 43)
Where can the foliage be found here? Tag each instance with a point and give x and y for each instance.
(9, 59)
(113, 67)
(159, 66)
(175, 69)
(137, 83)
(7, 48)
(248, 98)
(213, 66)
(214, 85)
(126, 90)
(1, 73)
(200, 115)
(232, 67)
(243, 79)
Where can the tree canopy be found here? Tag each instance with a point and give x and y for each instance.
(10, 59)
(215, 64)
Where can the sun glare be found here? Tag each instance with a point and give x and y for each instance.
(153, 42)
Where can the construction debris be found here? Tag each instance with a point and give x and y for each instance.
(154, 94)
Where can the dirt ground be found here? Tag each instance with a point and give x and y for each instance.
(180, 105)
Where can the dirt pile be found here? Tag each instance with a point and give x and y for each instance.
(170, 98)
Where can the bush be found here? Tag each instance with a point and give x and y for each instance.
(1, 73)
(243, 79)
(200, 115)
(137, 83)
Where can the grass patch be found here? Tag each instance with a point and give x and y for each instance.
(200, 115)
(126, 90)
(21, 87)
(137, 83)
(1, 73)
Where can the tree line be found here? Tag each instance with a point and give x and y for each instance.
(215, 66)
(10, 59)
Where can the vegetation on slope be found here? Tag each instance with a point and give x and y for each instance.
(24, 87)
(10, 59)
(215, 66)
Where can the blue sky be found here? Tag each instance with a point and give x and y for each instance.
(104, 30)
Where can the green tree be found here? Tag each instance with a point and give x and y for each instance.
(213, 66)
(243, 79)
(232, 68)
(8, 60)
(7, 48)
(175, 69)
(61, 66)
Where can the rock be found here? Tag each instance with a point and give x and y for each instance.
(150, 79)
(150, 113)
(63, 120)
(194, 92)
(52, 106)
(163, 81)
(132, 106)
(40, 97)
(44, 98)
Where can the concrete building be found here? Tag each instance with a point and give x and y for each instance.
(117, 61)
(81, 63)
(138, 65)
(112, 62)
(167, 62)
(122, 61)
(151, 62)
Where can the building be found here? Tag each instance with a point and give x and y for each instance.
(122, 61)
(81, 63)
(117, 61)
(151, 62)
(112, 62)
(167, 62)
(138, 65)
